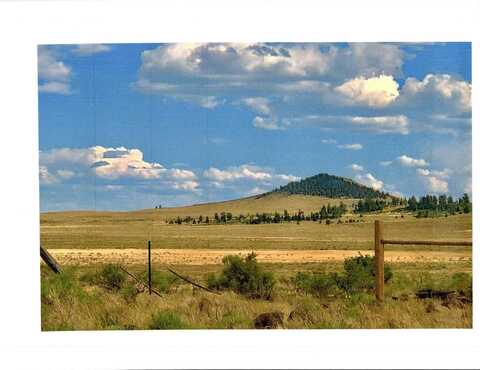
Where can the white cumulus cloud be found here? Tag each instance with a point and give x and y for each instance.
(370, 181)
(438, 93)
(239, 69)
(407, 161)
(247, 172)
(434, 181)
(53, 74)
(258, 104)
(109, 164)
(373, 92)
(356, 167)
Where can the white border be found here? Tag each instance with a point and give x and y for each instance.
(23, 25)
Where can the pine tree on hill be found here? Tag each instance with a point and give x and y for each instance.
(330, 186)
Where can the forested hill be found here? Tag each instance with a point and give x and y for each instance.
(330, 186)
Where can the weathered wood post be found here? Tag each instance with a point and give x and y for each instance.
(379, 261)
(49, 260)
(149, 267)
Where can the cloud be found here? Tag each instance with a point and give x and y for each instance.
(208, 102)
(46, 178)
(235, 69)
(354, 85)
(55, 88)
(437, 93)
(373, 92)
(258, 104)
(53, 74)
(356, 167)
(268, 123)
(385, 163)
(350, 146)
(187, 185)
(247, 172)
(109, 164)
(370, 181)
(384, 124)
(407, 161)
(90, 49)
(433, 183)
(456, 158)
(257, 190)
(397, 124)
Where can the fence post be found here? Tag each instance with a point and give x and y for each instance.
(149, 267)
(379, 261)
(49, 260)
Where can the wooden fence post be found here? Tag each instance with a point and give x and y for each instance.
(49, 260)
(379, 261)
(149, 267)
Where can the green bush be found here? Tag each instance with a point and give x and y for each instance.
(166, 320)
(112, 277)
(317, 284)
(244, 276)
(359, 274)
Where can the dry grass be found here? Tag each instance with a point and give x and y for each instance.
(86, 306)
(214, 256)
(131, 230)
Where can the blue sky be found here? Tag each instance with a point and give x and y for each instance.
(129, 126)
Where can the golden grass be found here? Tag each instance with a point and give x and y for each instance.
(95, 308)
(129, 230)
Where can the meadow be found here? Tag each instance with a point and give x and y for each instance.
(85, 242)
(72, 301)
(98, 230)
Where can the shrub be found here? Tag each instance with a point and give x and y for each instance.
(112, 277)
(244, 276)
(317, 284)
(360, 274)
(166, 320)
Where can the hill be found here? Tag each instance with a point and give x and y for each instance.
(326, 185)
(268, 203)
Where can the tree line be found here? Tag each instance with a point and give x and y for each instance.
(441, 203)
(328, 212)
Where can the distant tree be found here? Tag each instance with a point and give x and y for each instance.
(412, 203)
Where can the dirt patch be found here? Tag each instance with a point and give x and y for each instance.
(209, 257)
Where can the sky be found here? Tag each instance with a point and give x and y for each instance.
(132, 126)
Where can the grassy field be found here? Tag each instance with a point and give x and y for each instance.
(85, 241)
(132, 229)
(73, 302)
